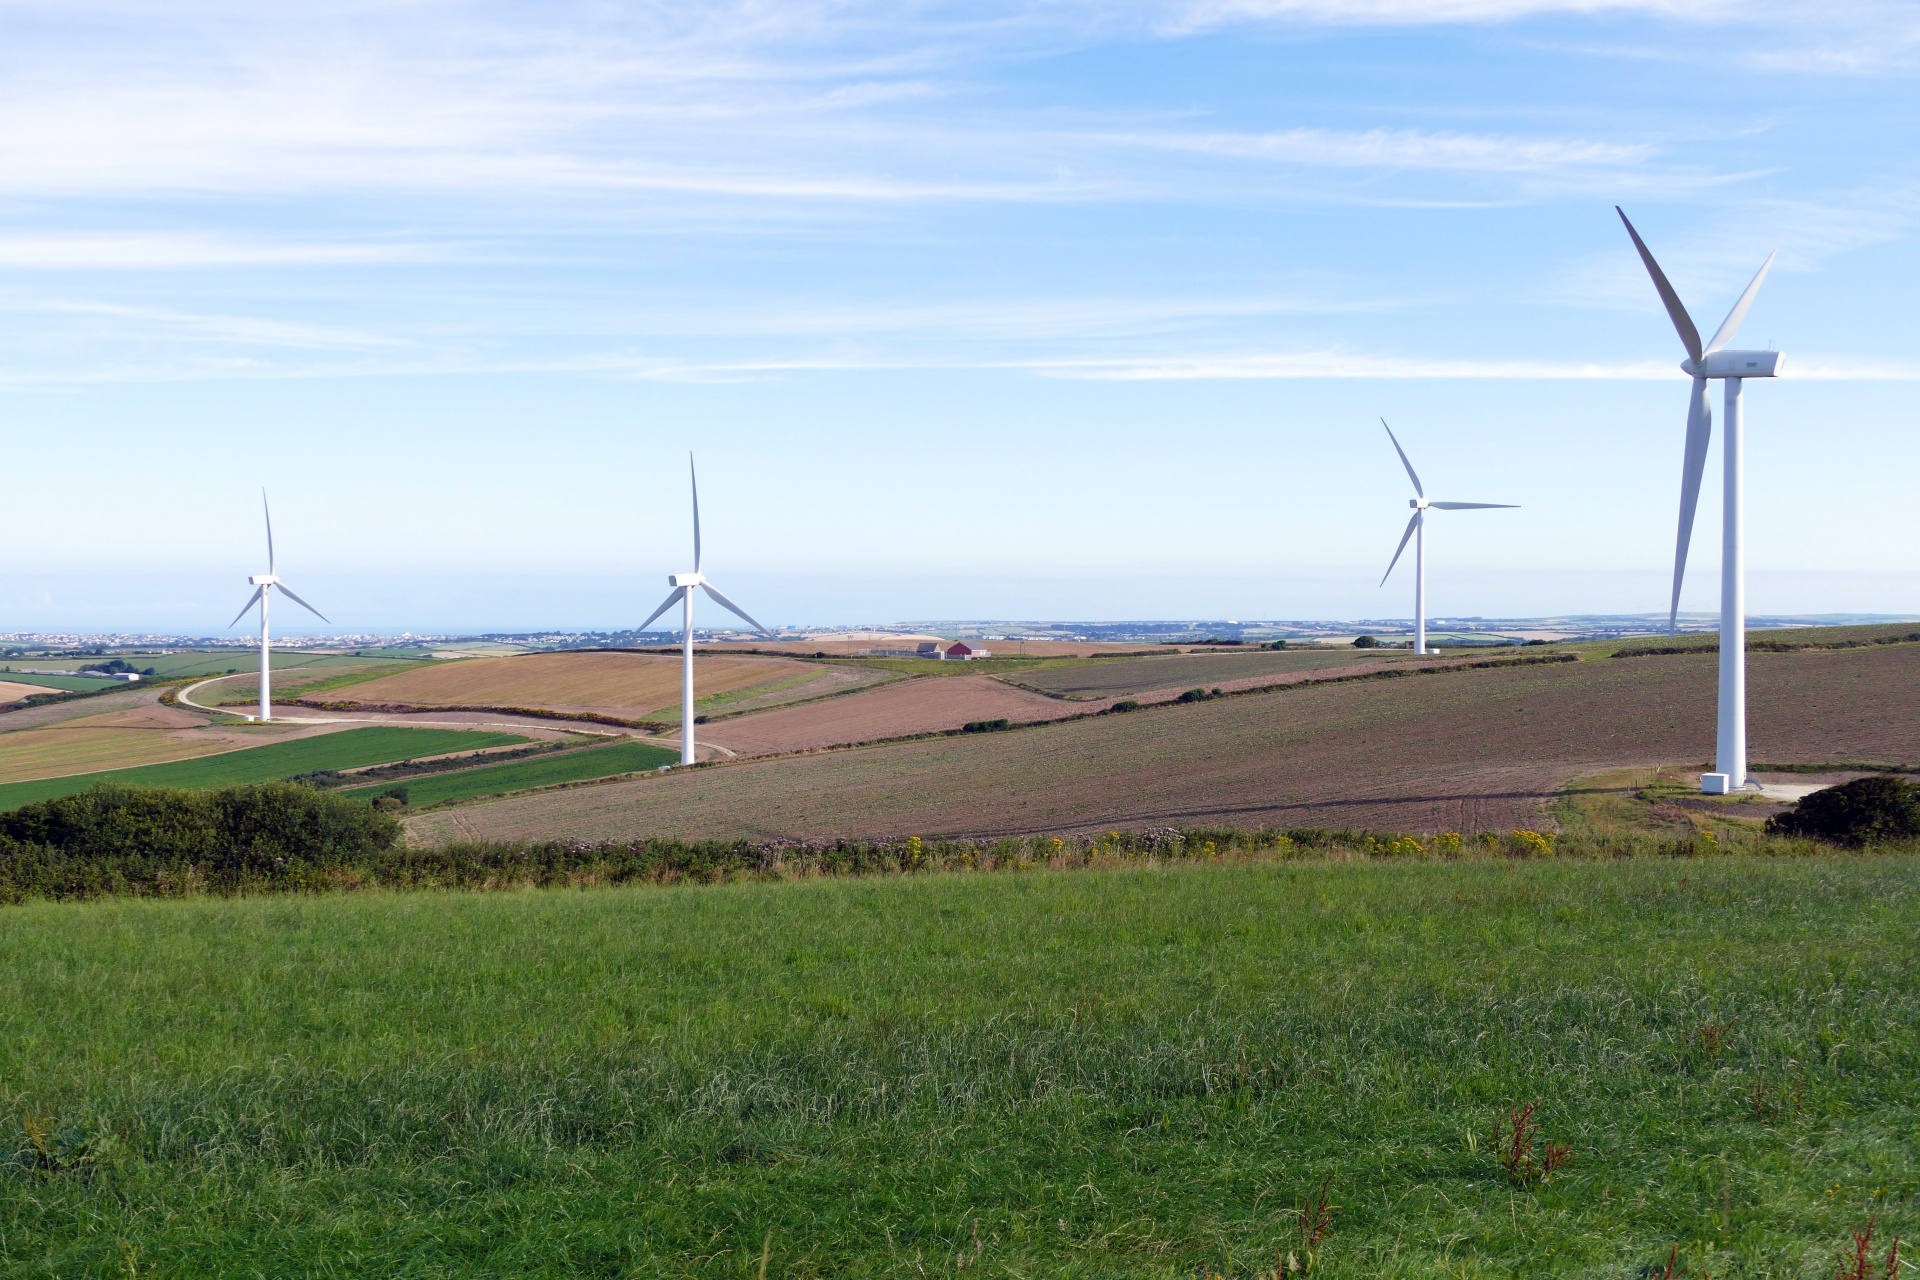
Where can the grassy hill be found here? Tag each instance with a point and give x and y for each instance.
(1140, 1072)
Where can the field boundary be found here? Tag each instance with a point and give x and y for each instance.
(424, 709)
(1769, 646)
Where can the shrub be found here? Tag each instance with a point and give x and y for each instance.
(1126, 704)
(1278, 644)
(1873, 808)
(1365, 642)
(986, 726)
(121, 839)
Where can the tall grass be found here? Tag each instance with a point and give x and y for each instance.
(1147, 1072)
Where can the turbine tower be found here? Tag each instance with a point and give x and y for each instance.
(263, 584)
(1417, 528)
(683, 585)
(1732, 367)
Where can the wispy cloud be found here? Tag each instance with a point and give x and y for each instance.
(823, 103)
(166, 250)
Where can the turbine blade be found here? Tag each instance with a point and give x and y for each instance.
(725, 603)
(1699, 436)
(268, 513)
(1682, 322)
(257, 592)
(673, 598)
(287, 591)
(1404, 539)
(1731, 325)
(695, 480)
(1475, 506)
(1403, 462)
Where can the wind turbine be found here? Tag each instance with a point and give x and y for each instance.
(1417, 527)
(1733, 367)
(262, 585)
(683, 585)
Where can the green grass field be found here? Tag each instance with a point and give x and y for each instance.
(1138, 1072)
(348, 749)
(517, 775)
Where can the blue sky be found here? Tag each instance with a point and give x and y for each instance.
(1072, 309)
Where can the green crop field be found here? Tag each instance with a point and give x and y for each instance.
(66, 684)
(517, 775)
(1139, 1072)
(348, 749)
(201, 662)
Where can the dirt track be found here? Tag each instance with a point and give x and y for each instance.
(1457, 751)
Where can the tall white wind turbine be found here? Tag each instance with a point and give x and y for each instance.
(1733, 367)
(1417, 529)
(264, 584)
(683, 585)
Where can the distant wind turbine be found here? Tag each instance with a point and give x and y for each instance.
(263, 584)
(683, 585)
(1703, 364)
(1417, 528)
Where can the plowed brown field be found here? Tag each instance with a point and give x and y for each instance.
(911, 706)
(620, 684)
(1125, 677)
(1455, 751)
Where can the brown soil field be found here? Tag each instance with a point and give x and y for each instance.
(14, 718)
(1124, 677)
(999, 648)
(12, 692)
(629, 685)
(906, 707)
(1453, 751)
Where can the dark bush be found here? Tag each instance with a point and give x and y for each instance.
(1278, 644)
(1875, 808)
(987, 726)
(1126, 704)
(1365, 642)
(121, 839)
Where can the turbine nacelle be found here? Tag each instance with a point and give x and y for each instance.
(263, 580)
(1418, 504)
(1736, 364)
(686, 580)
